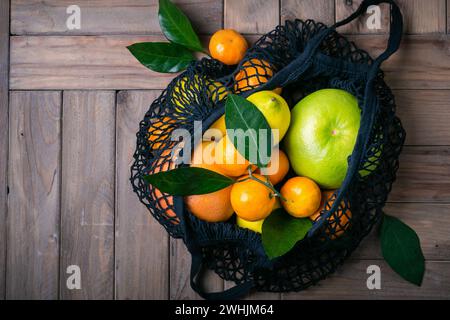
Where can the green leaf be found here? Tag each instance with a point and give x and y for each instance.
(161, 56)
(187, 181)
(281, 231)
(244, 116)
(177, 27)
(400, 246)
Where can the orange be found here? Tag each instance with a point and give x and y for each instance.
(302, 197)
(251, 200)
(164, 200)
(228, 46)
(229, 160)
(211, 207)
(336, 226)
(204, 157)
(278, 90)
(159, 131)
(280, 165)
(254, 73)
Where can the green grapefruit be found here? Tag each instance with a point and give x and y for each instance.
(322, 135)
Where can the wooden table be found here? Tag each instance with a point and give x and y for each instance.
(67, 134)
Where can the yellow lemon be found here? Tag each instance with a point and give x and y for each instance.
(252, 225)
(275, 109)
(217, 130)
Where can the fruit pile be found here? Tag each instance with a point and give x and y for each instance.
(310, 144)
(248, 201)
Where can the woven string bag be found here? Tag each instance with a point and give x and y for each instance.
(301, 57)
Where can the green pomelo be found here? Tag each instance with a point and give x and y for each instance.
(322, 135)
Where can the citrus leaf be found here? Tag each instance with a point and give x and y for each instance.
(252, 134)
(281, 231)
(187, 181)
(161, 56)
(400, 246)
(177, 27)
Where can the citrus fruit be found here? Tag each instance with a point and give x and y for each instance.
(217, 130)
(185, 92)
(211, 207)
(336, 228)
(278, 90)
(252, 200)
(217, 91)
(229, 160)
(164, 200)
(254, 73)
(302, 197)
(160, 131)
(255, 226)
(228, 46)
(278, 167)
(204, 157)
(322, 135)
(275, 109)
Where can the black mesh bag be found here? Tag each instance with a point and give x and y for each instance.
(301, 57)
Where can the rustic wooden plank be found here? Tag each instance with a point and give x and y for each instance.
(423, 16)
(423, 176)
(87, 193)
(180, 267)
(34, 204)
(80, 63)
(420, 63)
(425, 114)
(345, 8)
(252, 16)
(142, 245)
(349, 282)
(4, 62)
(448, 16)
(108, 16)
(319, 10)
(105, 63)
(429, 220)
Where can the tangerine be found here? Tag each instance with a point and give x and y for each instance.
(252, 200)
(302, 197)
(228, 46)
(254, 73)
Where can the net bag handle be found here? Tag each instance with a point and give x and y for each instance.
(294, 69)
(302, 62)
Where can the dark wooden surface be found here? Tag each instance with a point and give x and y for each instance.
(67, 138)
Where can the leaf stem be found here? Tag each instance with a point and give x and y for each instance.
(267, 184)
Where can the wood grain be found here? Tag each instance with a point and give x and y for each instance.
(319, 10)
(142, 244)
(425, 114)
(448, 16)
(4, 66)
(108, 16)
(34, 203)
(87, 193)
(180, 267)
(81, 63)
(252, 16)
(431, 221)
(423, 176)
(359, 26)
(349, 282)
(423, 16)
(103, 62)
(420, 63)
